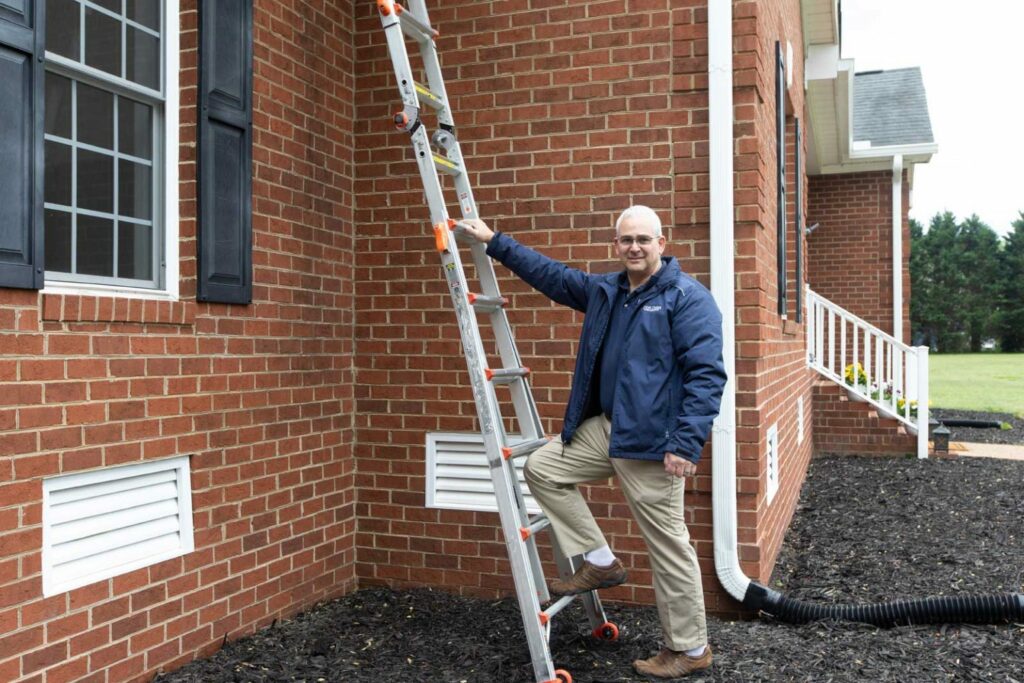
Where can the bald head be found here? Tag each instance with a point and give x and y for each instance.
(641, 214)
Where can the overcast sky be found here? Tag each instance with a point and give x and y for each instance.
(972, 62)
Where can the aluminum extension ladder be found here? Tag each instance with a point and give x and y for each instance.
(441, 154)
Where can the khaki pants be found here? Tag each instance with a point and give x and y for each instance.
(656, 500)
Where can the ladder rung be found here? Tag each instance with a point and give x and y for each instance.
(413, 27)
(525, 448)
(485, 303)
(538, 523)
(506, 375)
(428, 97)
(446, 165)
(556, 607)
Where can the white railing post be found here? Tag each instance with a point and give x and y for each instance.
(810, 326)
(922, 401)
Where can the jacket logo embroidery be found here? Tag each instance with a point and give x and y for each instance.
(652, 309)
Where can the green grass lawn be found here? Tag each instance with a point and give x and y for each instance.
(992, 382)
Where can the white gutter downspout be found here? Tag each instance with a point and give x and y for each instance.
(897, 247)
(723, 443)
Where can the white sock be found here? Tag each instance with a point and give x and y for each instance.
(697, 651)
(602, 557)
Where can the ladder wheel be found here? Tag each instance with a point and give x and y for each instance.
(607, 631)
(563, 676)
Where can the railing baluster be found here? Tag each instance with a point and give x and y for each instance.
(842, 345)
(900, 381)
(832, 341)
(879, 368)
(891, 375)
(856, 360)
(868, 368)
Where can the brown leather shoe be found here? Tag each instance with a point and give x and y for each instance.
(669, 664)
(590, 577)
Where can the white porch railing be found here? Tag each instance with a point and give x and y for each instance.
(871, 365)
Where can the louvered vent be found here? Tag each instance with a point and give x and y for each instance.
(100, 524)
(458, 477)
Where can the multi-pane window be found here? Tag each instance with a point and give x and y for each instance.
(103, 127)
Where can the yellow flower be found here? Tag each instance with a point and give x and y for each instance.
(855, 370)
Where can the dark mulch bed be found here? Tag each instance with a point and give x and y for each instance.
(1014, 435)
(866, 530)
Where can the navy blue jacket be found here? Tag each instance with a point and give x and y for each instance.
(671, 373)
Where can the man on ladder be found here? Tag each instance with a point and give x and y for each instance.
(646, 388)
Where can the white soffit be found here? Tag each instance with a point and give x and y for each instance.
(458, 476)
(100, 524)
(820, 22)
(828, 108)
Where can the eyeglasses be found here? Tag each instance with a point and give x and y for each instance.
(629, 241)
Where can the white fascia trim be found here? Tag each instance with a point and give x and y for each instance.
(890, 151)
(723, 443)
(876, 164)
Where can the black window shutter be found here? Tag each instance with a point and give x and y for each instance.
(224, 239)
(780, 166)
(22, 33)
(798, 232)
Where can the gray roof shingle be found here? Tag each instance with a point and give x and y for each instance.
(890, 108)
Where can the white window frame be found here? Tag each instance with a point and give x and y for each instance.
(165, 199)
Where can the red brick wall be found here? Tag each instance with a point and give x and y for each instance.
(850, 264)
(322, 390)
(851, 252)
(770, 356)
(842, 426)
(260, 396)
(566, 116)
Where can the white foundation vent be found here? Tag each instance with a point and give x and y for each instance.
(773, 462)
(100, 524)
(458, 477)
(799, 420)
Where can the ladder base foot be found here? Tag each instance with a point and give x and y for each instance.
(606, 631)
(561, 676)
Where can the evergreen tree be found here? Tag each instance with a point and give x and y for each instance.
(941, 309)
(1011, 315)
(978, 257)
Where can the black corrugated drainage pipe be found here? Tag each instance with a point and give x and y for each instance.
(994, 424)
(966, 609)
